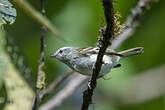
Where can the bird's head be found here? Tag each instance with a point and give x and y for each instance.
(62, 54)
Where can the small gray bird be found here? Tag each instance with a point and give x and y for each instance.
(82, 60)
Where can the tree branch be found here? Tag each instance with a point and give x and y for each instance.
(41, 74)
(107, 36)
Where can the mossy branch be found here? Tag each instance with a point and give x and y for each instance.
(105, 42)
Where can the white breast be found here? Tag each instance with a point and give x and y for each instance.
(109, 62)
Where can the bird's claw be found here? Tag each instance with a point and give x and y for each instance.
(89, 85)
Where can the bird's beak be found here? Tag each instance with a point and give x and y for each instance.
(52, 56)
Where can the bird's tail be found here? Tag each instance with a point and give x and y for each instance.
(130, 52)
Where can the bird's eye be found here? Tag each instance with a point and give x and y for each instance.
(60, 51)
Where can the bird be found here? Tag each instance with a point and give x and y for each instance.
(82, 60)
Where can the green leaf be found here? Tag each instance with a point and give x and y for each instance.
(7, 13)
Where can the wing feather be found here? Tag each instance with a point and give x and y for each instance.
(90, 50)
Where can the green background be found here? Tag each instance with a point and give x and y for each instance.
(79, 21)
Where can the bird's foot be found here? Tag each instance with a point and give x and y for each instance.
(89, 85)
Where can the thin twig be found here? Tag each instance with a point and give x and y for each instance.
(131, 23)
(41, 74)
(115, 44)
(55, 83)
(109, 33)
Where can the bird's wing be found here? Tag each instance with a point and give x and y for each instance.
(132, 51)
(95, 50)
(88, 50)
(112, 52)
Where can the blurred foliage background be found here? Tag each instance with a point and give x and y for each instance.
(79, 21)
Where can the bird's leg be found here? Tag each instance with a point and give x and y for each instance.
(89, 85)
(100, 76)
